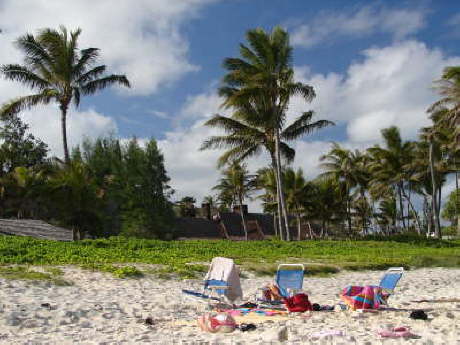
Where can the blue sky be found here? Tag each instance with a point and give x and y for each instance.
(371, 63)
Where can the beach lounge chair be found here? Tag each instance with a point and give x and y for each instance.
(390, 279)
(222, 280)
(288, 279)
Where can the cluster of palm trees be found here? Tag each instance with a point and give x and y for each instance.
(395, 187)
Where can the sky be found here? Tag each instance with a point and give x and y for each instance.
(372, 65)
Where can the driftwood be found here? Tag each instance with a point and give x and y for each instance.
(34, 228)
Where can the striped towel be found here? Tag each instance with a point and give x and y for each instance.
(362, 297)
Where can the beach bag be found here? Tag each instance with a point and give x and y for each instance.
(217, 323)
(362, 297)
(298, 303)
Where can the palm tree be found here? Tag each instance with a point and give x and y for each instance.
(296, 189)
(341, 164)
(387, 164)
(259, 87)
(436, 137)
(237, 181)
(449, 88)
(59, 71)
(449, 106)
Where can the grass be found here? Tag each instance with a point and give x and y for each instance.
(26, 273)
(174, 257)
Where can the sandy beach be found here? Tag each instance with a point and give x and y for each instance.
(100, 309)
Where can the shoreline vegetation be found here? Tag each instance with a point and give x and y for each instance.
(132, 258)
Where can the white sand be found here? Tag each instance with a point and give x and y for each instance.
(100, 309)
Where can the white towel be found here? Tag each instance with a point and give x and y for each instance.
(226, 270)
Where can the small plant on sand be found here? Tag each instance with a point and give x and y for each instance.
(116, 271)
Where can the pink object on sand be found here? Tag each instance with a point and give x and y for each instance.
(396, 332)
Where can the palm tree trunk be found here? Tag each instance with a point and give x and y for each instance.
(310, 230)
(298, 226)
(348, 209)
(278, 204)
(243, 220)
(278, 199)
(280, 185)
(274, 224)
(401, 207)
(434, 207)
(64, 133)
(417, 220)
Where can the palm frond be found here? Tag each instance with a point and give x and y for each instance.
(102, 83)
(24, 75)
(303, 125)
(88, 56)
(92, 74)
(26, 102)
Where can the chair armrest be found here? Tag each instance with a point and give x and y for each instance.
(218, 287)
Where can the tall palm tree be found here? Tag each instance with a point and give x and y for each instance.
(341, 164)
(435, 137)
(387, 164)
(58, 71)
(449, 106)
(259, 87)
(449, 88)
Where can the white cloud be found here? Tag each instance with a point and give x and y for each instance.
(203, 105)
(140, 38)
(390, 86)
(45, 124)
(365, 21)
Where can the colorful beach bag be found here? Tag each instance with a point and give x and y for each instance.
(362, 297)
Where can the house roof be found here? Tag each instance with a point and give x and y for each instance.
(196, 228)
(34, 228)
(234, 225)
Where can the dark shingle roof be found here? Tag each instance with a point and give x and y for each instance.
(234, 226)
(34, 228)
(196, 228)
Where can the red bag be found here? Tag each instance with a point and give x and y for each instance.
(298, 303)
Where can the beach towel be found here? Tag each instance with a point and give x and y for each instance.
(362, 297)
(224, 269)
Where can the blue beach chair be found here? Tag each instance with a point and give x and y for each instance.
(289, 278)
(390, 280)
